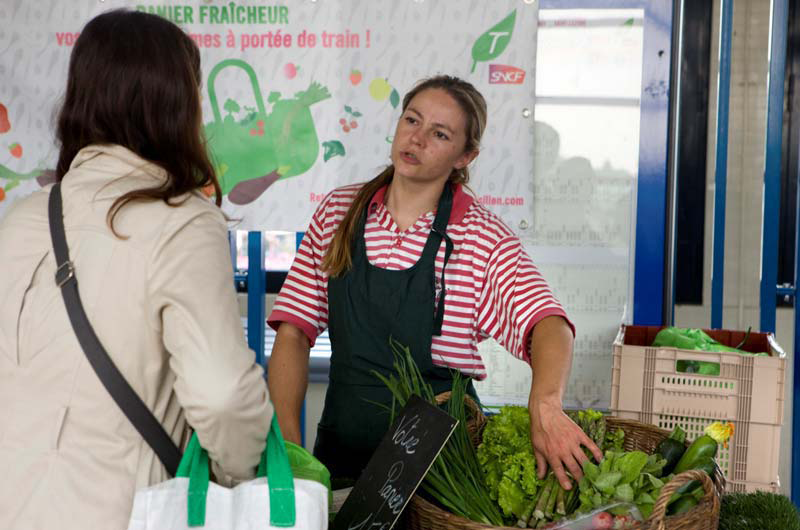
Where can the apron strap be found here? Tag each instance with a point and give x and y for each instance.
(439, 228)
(439, 318)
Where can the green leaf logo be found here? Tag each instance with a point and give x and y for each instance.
(494, 41)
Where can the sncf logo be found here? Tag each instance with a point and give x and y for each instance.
(504, 74)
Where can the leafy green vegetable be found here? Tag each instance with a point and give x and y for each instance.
(509, 465)
(590, 470)
(614, 440)
(631, 465)
(621, 476)
(624, 492)
(655, 465)
(506, 458)
(607, 481)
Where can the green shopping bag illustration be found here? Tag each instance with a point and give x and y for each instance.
(254, 152)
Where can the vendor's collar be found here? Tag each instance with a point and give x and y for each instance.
(461, 202)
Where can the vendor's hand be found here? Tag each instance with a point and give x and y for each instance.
(557, 441)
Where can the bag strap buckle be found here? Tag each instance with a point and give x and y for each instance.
(64, 273)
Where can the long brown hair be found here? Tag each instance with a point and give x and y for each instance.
(134, 80)
(338, 258)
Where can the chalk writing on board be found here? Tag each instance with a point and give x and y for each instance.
(397, 467)
(403, 434)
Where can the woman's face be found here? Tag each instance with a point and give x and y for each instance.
(430, 138)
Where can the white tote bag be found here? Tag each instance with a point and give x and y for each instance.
(275, 499)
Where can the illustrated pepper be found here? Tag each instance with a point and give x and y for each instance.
(705, 446)
(672, 448)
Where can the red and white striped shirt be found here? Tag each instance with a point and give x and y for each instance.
(493, 287)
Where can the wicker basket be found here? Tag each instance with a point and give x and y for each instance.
(423, 515)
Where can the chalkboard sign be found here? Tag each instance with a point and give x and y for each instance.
(397, 467)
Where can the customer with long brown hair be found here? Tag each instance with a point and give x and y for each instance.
(154, 274)
(413, 256)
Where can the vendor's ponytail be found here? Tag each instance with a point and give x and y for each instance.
(338, 258)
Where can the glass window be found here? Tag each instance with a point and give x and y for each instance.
(279, 250)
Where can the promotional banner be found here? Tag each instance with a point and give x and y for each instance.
(299, 97)
(302, 96)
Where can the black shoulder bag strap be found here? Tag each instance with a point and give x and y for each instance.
(124, 396)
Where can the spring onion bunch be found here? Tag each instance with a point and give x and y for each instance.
(455, 479)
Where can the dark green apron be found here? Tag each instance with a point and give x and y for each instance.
(366, 306)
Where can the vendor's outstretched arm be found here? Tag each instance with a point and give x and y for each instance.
(556, 439)
(288, 378)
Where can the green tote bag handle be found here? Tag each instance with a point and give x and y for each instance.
(274, 465)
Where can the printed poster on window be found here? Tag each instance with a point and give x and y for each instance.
(299, 97)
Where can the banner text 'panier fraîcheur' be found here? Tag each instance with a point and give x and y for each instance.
(230, 13)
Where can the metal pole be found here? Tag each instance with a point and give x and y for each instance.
(298, 238)
(233, 248)
(672, 163)
(779, 16)
(651, 182)
(256, 294)
(795, 472)
(721, 163)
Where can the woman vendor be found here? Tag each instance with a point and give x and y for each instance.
(411, 254)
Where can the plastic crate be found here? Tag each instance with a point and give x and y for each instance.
(749, 391)
(749, 487)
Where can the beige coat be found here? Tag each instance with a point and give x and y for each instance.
(162, 303)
